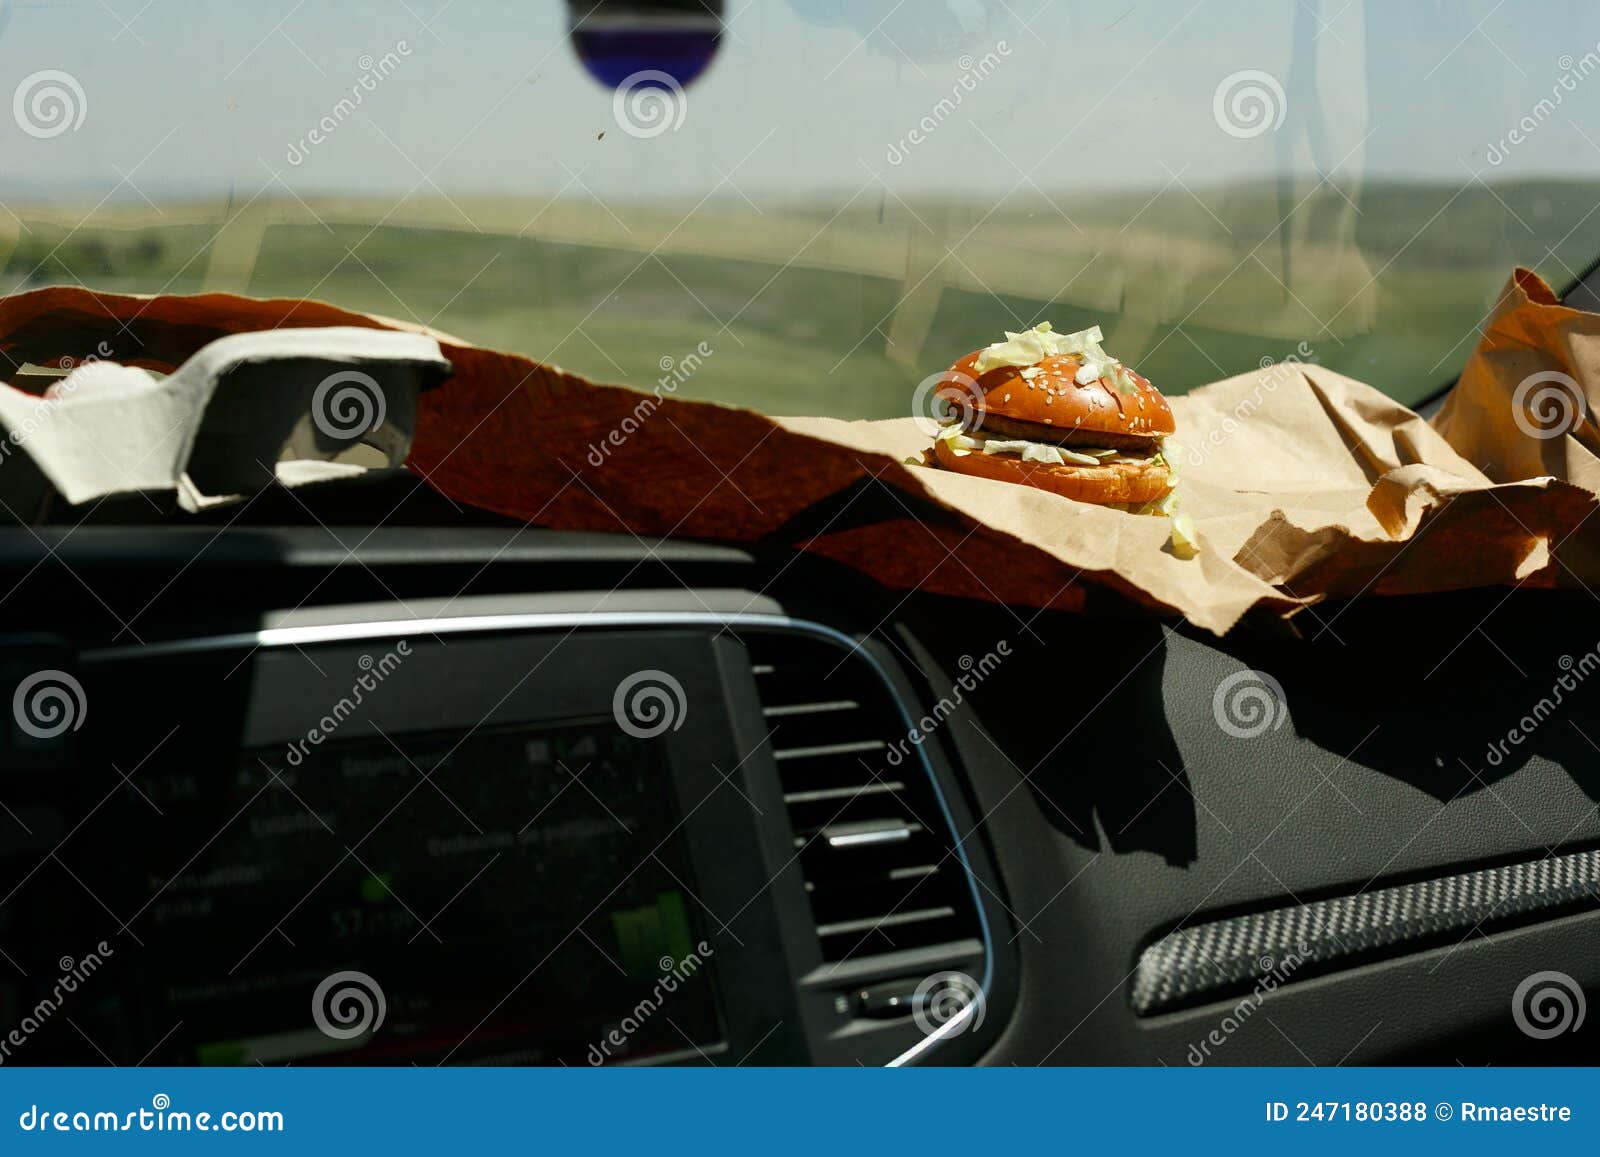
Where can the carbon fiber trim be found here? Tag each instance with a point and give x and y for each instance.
(1267, 948)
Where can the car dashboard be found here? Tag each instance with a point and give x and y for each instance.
(315, 794)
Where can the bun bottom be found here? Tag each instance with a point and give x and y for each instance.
(1123, 482)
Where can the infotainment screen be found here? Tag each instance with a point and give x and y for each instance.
(501, 896)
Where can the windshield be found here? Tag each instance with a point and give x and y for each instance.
(807, 206)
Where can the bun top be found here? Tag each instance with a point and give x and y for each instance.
(1047, 394)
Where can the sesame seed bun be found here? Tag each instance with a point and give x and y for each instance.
(1122, 482)
(1045, 403)
(1051, 406)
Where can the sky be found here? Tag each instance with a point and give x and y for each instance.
(197, 98)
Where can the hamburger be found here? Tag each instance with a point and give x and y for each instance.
(1057, 412)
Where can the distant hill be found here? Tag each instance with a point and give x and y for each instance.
(840, 305)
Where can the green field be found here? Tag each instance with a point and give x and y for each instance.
(841, 307)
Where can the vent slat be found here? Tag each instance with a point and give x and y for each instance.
(823, 795)
(823, 708)
(887, 920)
(865, 835)
(826, 749)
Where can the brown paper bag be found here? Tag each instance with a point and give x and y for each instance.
(1303, 484)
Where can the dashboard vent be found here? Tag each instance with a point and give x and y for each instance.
(879, 860)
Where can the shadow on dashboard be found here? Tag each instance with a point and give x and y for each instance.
(1080, 714)
(1511, 675)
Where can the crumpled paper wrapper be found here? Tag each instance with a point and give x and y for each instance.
(1303, 484)
(106, 428)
